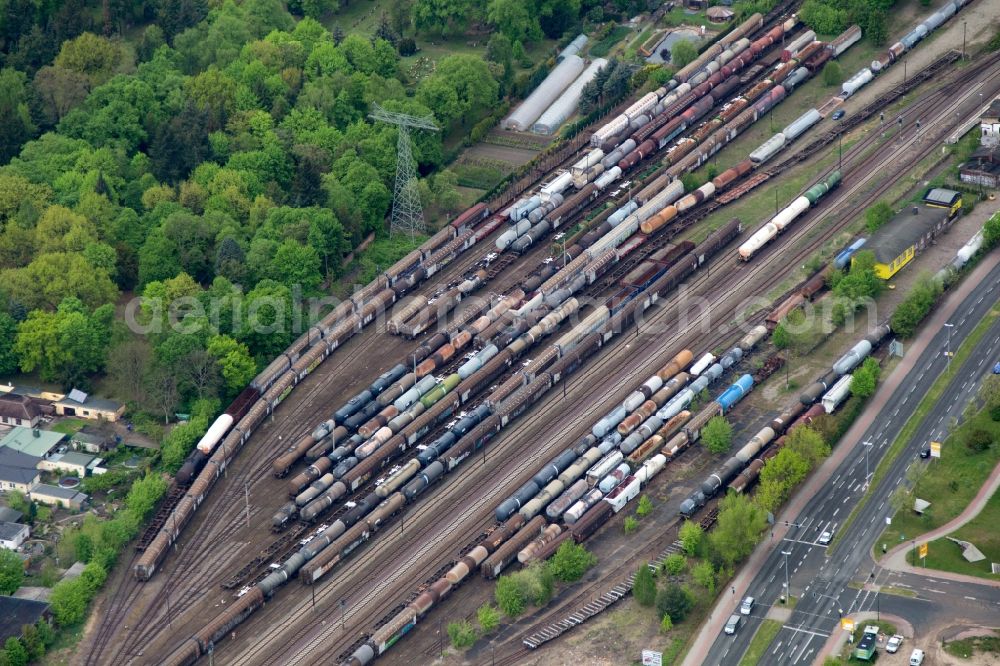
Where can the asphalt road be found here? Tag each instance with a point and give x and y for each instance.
(819, 578)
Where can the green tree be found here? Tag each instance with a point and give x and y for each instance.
(645, 506)
(32, 642)
(631, 524)
(675, 564)
(509, 596)
(717, 435)
(739, 527)
(691, 536)
(53, 276)
(462, 634)
(704, 574)
(878, 214)
(780, 337)
(833, 74)
(18, 126)
(66, 345)
(675, 602)
(991, 232)
(235, 362)
(515, 19)
(488, 618)
(682, 53)
(865, 378)
(809, 444)
(17, 654)
(666, 624)
(441, 16)
(644, 587)
(69, 602)
(97, 58)
(8, 333)
(11, 571)
(571, 561)
(916, 306)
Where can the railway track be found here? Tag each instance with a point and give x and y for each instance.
(370, 341)
(867, 165)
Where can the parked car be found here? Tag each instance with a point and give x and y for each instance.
(825, 538)
(996, 368)
(838, 114)
(733, 624)
(893, 643)
(917, 658)
(747, 606)
(925, 452)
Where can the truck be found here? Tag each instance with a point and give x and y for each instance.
(866, 646)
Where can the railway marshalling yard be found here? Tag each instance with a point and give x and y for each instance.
(317, 624)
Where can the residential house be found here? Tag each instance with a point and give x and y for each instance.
(15, 613)
(18, 471)
(78, 403)
(32, 441)
(71, 462)
(44, 493)
(19, 410)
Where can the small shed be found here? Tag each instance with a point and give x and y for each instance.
(720, 14)
(940, 197)
(91, 442)
(15, 613)
(12, 535)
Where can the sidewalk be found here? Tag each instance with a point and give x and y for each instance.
(837, 639)
(895, 559)
(712, 627)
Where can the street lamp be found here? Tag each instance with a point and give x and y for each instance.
(947, 345)
(868, 447)
(788, 591)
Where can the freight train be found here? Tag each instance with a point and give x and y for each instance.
(729, 473)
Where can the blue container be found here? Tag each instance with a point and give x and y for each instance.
(735, 393)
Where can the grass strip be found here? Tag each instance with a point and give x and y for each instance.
(919, 415)
(761, 640)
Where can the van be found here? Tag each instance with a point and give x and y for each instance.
(917, 658)
(733, 624)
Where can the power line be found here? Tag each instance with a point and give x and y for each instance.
(407, 213)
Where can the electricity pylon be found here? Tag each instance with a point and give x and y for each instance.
(407, 214)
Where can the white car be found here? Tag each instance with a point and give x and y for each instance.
(892, 645)
(747, 606)
(917, 658)
(825, 538)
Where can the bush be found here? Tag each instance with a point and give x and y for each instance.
(978, 440)
(717, 435)
(407, 46)
(11, 571)
(915, 307)
(675, 602)
(691, 536)
(666, 624)
(704, 574)
(631, 524)
(571, 561)
(675, 564)
(865, 378)
(833, 74)
(510, 596)
(878, 214)
(682, 53)
(645, 506)
(644, 587)
(488, 617)
(462, 634)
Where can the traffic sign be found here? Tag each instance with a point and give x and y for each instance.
(652, 658)
(935, 449)
(922, 550)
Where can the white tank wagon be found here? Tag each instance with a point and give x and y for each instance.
(542, 97)
(565, 105)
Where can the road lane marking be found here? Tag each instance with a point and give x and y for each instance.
(970, 598)
(806, 631)
(929, 589)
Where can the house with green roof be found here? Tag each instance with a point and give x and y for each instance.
(32, 441)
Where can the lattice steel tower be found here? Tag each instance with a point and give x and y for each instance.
(407, 214)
